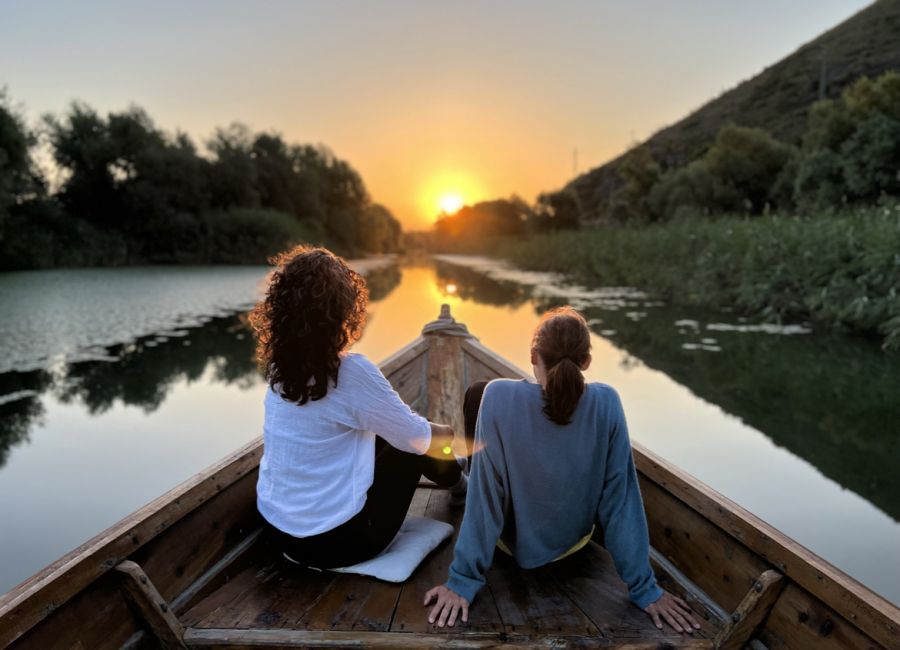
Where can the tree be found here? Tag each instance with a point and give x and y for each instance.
(558, 210)
(639, 172)
(233, 171)
(871, 159)
(470, 225)
(851, 149)
(17, 175)
(743, 164)
(379, 229)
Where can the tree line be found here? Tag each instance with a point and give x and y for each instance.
(848, 156)
(120, 190)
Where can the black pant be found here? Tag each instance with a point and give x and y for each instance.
(367, 533)
(471, 404)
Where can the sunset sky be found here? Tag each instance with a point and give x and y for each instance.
(427, 100)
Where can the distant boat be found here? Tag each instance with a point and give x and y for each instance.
(192, 568)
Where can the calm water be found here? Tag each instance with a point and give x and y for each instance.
(118, 384)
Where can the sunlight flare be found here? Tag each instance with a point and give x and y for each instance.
(444, 193)
(451, 203)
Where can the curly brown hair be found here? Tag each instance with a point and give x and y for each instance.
(314, 309)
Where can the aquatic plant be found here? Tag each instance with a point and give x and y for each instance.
(840, 271)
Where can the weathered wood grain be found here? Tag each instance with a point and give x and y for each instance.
(409, 381)
(705, 553)
(848, 597)
(354, 602)
(444, 380)
(674, 581)
(411, 615)
(403, 356)
(96, 617)
(750, 612)
(590, 580)
(174, 558)
(534, 602)
(235, 560)
(276, 595)
(798, 620)
(153, 607)
(492, 361)
(249, 639)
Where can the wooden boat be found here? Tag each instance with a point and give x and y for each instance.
(192, 568)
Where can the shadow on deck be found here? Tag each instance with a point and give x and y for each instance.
(579, 601)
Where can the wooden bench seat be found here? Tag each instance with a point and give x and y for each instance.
(577, 601)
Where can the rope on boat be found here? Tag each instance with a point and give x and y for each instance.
(446, 324)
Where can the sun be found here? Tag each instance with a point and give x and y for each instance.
(450, 203)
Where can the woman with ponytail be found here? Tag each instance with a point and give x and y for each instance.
(554, 463)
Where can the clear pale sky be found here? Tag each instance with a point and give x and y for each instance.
(424, 98)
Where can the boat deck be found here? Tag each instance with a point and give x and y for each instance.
(578, 601)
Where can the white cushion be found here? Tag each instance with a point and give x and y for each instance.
(417, 537)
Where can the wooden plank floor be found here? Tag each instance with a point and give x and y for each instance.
(580, 597)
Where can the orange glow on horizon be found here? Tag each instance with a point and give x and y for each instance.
(447, 192)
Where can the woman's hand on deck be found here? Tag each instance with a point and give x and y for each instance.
(448, 606)
(673, 611)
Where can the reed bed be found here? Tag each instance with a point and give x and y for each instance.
(839, 270)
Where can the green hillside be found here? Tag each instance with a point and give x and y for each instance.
(778, 99)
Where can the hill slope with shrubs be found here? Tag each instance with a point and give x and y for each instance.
(776, 100)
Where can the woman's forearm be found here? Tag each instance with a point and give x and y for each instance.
(442, 441)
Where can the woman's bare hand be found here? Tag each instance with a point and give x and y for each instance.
(445, 444)
(673, 611)
(449, 604)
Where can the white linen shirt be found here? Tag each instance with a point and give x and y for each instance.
(319, 459)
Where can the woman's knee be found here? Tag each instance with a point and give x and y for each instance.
(471, 404)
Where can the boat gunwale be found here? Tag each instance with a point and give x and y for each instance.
(22, 608)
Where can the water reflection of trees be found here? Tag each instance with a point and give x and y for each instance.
(141, 375)
(831, 400)
(382, 281)
(23, 407)
(477, 287)
(144, 371)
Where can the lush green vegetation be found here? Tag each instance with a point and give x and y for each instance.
(121, 191)
(841, 270)
(777, 99)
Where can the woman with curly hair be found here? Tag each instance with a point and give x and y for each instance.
(332, 493)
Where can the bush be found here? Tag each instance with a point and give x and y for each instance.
(741, 173)
(851, 150)
(38, 234)
(819, 181)
(872, 159)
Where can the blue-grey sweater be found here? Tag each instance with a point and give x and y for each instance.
(542, 486)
